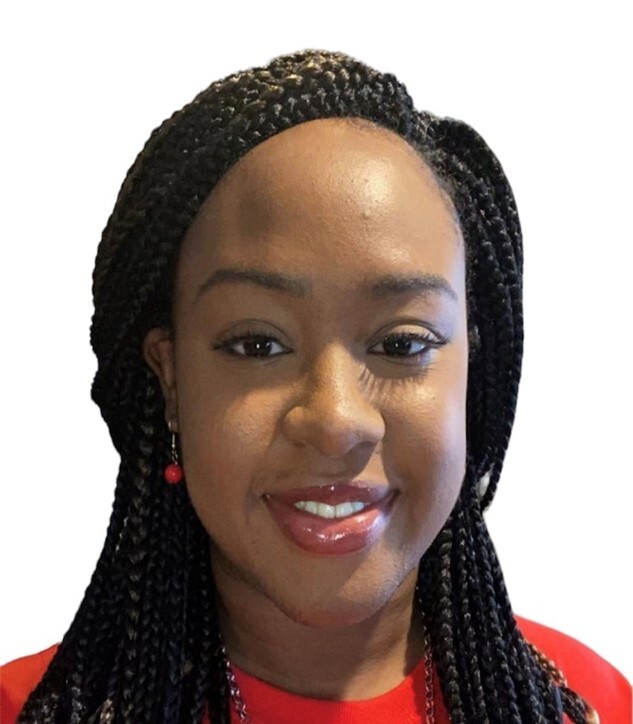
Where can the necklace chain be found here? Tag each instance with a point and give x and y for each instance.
(240, 706)
(234, 689)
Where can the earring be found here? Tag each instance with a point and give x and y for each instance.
(173, 472)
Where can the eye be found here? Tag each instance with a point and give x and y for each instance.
(252, 344)
(408, 345)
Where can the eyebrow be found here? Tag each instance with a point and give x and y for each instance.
(299, 287)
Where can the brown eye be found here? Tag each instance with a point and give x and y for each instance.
(408, 344)
(252, 344)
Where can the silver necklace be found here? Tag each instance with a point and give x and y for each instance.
(240, 706)
(234, 689)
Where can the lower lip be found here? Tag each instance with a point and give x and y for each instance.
(331, 536)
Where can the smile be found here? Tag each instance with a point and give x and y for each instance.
(332, 520)
(323, 510)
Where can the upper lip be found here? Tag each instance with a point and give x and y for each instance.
(336, 493)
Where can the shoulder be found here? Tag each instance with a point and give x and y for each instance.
(587, 673)
(18, 679)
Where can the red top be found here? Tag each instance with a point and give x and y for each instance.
(587, 673)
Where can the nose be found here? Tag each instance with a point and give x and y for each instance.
(334, 413)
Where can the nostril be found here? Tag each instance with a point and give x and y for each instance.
(334, 431)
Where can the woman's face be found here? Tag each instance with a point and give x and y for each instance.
(299, 373)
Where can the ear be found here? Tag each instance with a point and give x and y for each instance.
(158, 351)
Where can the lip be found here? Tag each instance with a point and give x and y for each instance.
(333, 536)
(335, 494)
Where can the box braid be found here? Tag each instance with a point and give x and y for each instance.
(144, 644)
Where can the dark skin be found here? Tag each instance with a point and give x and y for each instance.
(338, 206)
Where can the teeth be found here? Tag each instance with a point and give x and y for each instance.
(323, 510)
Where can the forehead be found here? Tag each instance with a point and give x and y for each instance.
(329, 194)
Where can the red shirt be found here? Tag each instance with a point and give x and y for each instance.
(587, 673)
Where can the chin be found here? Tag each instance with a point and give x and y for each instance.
(337, 612)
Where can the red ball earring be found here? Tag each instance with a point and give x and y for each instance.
(173, 472)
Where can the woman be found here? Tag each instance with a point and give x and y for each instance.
(309, 332)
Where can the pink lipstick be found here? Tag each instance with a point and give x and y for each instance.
(332, 519)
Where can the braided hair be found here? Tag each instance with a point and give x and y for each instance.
(144, 644)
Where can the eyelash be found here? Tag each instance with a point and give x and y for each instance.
(430, 342)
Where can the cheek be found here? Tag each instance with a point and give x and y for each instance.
(430, 453)
(224, 440)
(424, 451)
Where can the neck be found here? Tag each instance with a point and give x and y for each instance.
(353, 662)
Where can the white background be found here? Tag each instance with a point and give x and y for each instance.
(544, 83)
